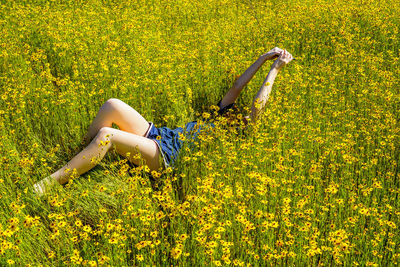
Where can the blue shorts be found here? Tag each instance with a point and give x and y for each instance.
(168, 140)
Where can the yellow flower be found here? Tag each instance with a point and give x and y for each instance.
(62, 224)
(140, 257)
(206, 115)
(113, 240)
(183, 237)
(176, 253)
(217, 263)
(87, 228)
(51, 254)
(154, 234)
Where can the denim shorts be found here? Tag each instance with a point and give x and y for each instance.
(168, 140)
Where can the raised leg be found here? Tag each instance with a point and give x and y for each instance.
(105, 139)
(118, 112)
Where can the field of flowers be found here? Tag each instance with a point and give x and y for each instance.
(314, 183)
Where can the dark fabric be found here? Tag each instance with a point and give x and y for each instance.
(225, 109)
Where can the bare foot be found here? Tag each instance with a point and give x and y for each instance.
(43, 186)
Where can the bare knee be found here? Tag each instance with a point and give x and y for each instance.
(104, 136)
(113, 103)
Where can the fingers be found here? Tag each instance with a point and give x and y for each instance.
(284, 58)
(282, 54)
(285, 55)
(275, 50)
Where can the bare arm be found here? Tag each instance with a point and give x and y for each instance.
(263, 94)
(241, 82)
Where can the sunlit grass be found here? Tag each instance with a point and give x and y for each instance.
(315, 182)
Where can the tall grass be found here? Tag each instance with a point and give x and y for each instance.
(315, 182)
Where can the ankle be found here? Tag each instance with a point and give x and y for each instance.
(44, 185)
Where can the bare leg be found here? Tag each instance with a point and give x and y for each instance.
(106, 137)
(120, 113)
(239, 84)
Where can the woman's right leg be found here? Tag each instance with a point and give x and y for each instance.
(118, 112)
(105, 139)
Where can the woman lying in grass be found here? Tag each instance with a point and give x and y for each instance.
(157, 146)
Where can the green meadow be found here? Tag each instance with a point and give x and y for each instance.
(315, 182)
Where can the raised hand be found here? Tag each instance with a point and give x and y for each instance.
(284, 58)
(273, 53)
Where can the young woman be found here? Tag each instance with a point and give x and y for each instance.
(135, 134)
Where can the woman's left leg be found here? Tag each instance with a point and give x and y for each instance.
(118, 112)
(105, 139)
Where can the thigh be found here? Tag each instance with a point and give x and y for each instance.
(127, 118)
(128, 142)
